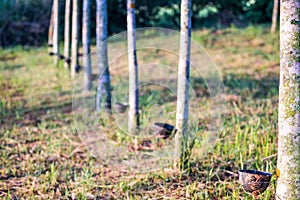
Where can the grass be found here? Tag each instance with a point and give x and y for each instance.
(43, 157)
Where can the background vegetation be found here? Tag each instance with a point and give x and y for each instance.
(27, 21)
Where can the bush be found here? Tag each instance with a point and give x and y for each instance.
(26, 22)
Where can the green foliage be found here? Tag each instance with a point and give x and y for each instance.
(24, 21)
(27, 21)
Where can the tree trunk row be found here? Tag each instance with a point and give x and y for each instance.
(75, 38)
(133, 114)
(56, 31)
(181, 138)
(87, 65)
(274, 16)
(103, 87)
(67, 34)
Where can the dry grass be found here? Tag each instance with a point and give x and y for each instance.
(42, 156)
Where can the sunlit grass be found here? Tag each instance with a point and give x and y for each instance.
(42, 155)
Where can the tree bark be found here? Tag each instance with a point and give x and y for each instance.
(75, 38)
(274, 16)
(133, 114)
(50, 32)
(56, 31)
(103, 87)
(87, 85)
(181, 138)
(67, 38)
(288, 162)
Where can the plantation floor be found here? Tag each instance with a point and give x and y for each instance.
(42, 156)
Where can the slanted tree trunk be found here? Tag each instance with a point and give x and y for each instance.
(67, 38)
(133, 114)
(56, 31)
(103, 87)
(181, 139)
(87, 85)
(50, 32)
(288, 162)
(75, 38)
(274, 16)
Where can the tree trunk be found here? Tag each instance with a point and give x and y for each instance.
(288, 162)
(50, 32)
(103, 88)
(75, 38)
(274, 16)
(67, 52)
(55, 31)
(133, 114)
(87, 85)
(181, 139)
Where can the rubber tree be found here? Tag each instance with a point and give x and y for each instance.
(133, 113)
(103, 87)
(56, 31)
(87, 65)
(67, 36)
(50, 32)
(274, 16)
(75, 38)
(288, 161)
(181, 138)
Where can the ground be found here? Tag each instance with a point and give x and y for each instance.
(42, 156)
